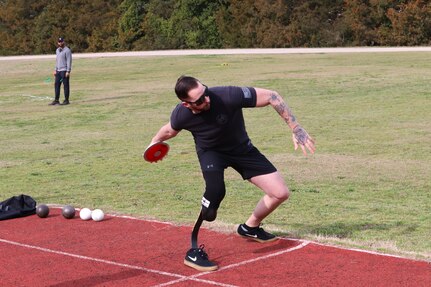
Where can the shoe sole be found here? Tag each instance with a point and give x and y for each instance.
(259, 240)
(200, 268)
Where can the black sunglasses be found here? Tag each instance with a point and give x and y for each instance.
(201, 99)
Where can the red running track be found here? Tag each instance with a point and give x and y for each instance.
(122, 251)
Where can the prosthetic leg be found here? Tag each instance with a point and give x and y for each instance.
(195, 231)
(196, 257)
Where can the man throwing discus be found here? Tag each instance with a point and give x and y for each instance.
(215, 119)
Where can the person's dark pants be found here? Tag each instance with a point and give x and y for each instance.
(60, 77)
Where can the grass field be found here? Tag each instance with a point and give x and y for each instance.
(367, 186)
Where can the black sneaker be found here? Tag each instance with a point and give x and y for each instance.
(198, 259)
(255, 233)
(65, 102)
(55, 102)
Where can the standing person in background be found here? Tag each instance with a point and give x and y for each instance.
(62, 71)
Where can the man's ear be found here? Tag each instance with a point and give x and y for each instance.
(184, 104)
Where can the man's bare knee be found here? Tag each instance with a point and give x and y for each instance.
(282, 195)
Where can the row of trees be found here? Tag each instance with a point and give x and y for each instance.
(31, 27)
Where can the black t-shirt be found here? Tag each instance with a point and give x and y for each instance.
(222, 127)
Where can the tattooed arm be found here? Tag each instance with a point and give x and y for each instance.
(299, 135)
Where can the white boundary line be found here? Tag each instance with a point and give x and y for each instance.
(302, 245)
(90, 258)
(299, 240)
(369, 252)
(285, 238)
(191, 52)
(181, 278)
(114, 263)
(60, 206)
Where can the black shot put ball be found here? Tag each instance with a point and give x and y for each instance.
(42, 210)
(68, 212)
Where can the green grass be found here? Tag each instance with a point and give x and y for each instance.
(368, 185)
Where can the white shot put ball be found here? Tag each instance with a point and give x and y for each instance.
(97, 215)
(85, 214)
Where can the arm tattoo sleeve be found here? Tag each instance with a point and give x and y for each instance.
(282, 109)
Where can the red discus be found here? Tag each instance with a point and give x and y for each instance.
(156, 151)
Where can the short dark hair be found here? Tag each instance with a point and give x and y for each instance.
(184, 85)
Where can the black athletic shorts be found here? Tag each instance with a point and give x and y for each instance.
(213, 164)
(249, 164)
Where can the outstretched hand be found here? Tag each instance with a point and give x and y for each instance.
(303, 139)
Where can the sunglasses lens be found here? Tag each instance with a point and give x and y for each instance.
(204, 95)
(200, 100)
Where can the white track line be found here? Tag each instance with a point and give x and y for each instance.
(300, 246)
(194, 277)
(368, 252)
(284, 238)
(114, 263)
(90, 258)
(181, 278)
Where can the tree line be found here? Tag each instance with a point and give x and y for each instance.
(32, 26)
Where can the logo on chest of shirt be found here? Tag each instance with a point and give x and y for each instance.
(222, 119)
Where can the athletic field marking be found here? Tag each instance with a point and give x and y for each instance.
(194, 277)
(58, 206)
(300, 246)
(284, 238)
(368, 252)
(90, 258)
(262, 51)
(39, 98)
(112, 263)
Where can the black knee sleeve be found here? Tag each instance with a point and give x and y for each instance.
(209, 214)
(214, 193)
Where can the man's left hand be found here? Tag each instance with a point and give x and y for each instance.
(303, 139)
